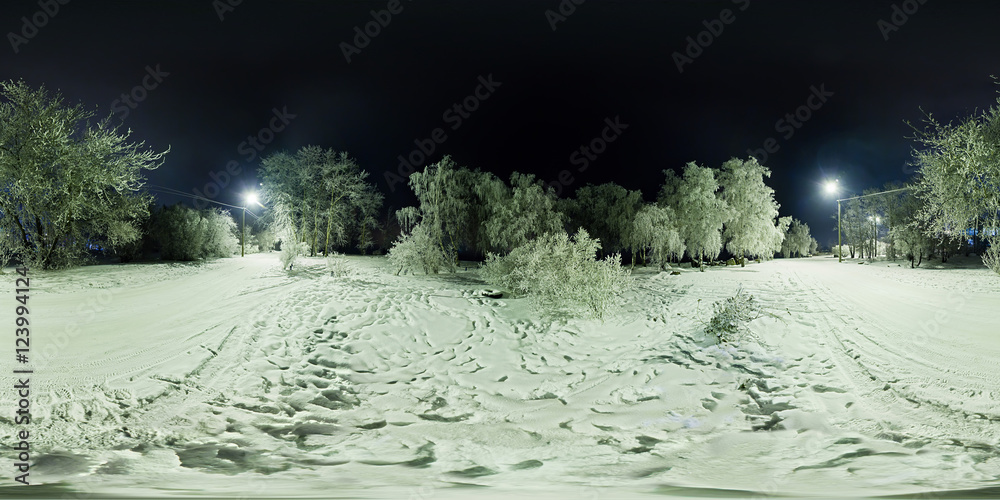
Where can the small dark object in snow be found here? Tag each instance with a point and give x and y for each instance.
(493, 294)
(675, 273)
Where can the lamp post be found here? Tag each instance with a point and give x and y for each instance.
(247, 199)
(833, 187)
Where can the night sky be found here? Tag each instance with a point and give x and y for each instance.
(217, 74)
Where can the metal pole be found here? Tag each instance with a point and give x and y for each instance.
(840, 246)
(243, 234)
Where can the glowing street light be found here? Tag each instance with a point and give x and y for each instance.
(832, 188)
(248, 199)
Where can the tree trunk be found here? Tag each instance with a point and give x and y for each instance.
(334, 199)
(312, 251)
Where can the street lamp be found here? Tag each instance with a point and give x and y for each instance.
(248, 199)
(833, 188)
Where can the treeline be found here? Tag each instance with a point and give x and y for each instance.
(699, 214)
(70, 186)
(181, 233)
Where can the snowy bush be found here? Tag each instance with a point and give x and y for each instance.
(337, 264)
(561, 274)
(220, 234)
(992, 258)
(186, 234)
(264, 240)
(731, 315)
(290, 253)
(417, 250)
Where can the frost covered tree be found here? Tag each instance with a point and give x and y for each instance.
(519, 214)
(469, 210)
(366, 210)
(752, 229)
(797, 240)
(912, 232)
(654, 234)
(283, 191)
(606, 211)
(958, 167)
(446, 195)
(65, 182)
(700, 211)
(852, 226)
(319, 196)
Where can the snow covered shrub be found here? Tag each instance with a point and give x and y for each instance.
(337, 264)
(186, 234)
(290, 253)
(731, 315)
(417, 250)
(264, 240)
(992, 258)
(560, 274)
(220, 238)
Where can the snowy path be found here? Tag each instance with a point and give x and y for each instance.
(237, 378)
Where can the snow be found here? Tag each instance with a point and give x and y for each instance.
(237, 378)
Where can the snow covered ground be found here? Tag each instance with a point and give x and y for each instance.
(236, 378)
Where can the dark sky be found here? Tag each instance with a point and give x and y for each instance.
(556, 90)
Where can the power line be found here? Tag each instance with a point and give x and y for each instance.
(175, 192)
(876, 194)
